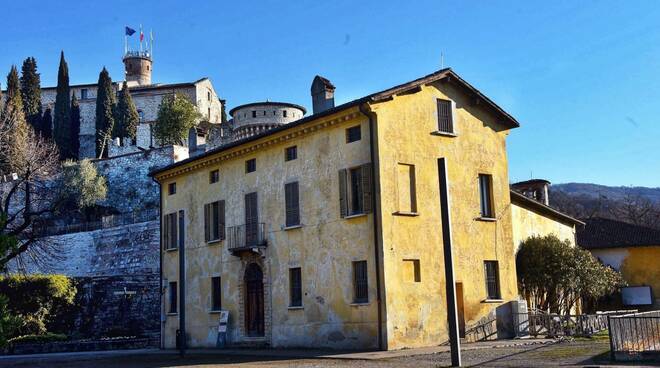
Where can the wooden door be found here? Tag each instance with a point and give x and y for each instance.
(460, 311)
(254, 301)
(251, 219)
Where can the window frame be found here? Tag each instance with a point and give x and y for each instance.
(250, 165)
(214, 221)
(486, 205)
(290, 153)
(170, 231)
(216, 294)
(173, 298)
(295, 288)
(214, 176)
(492, 280)
(348, 194)
(350, 131)
(171, 188)
(291, 210)
(448, 105)
(360, 282)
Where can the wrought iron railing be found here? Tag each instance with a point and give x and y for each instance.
(246, 236)
(635, 336)
(554, 325)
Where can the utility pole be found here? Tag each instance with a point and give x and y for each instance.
(452, 314)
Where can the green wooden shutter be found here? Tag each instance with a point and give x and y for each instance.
(343, 195)
(207, 223)
(367, 193)
(166, 232)
(221, 219)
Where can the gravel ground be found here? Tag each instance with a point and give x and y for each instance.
(575, 353)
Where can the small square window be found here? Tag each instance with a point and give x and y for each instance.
(291, 153)
(254, 114)
(412, 270)
(83, 94)
(171, 188)
(284, 113)
(353, 134)
(251, 165)
(214, 176)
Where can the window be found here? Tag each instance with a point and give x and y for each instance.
(171, 188)
(254, 114)
(412, 270)
(360, 284)
(264, 112)
(295, 287)
(173, 297)
(353, 134)
(485, 194)
(445, 118)
(291, 199)
(406, 188)
(170, 231)
(291, 153)
(140, 115)
(355, 192)
(214, 221)
(251, 165)
(83, 93)
(208, 113)
(491, 269)
(214, 176)
(208, 95)
(216, 294)
(284, 113)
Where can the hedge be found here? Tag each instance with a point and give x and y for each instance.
(38, 339)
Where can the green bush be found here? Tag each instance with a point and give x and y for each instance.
(38, 339)
(8, 322)
(40, 301)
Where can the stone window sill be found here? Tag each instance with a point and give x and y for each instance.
(292, 227)
(486, 219)
(355, 215)
(172, 313)
(444, 134)
(362, 304)
(215, 311)
(405, 213)
(171, 249)
(296, 307)
(492, 301)
(214, 242)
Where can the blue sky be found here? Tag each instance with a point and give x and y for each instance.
(583, 78)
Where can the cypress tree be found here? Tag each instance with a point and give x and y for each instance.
(62, 118)
(13, 112)
(127, 118)
(47, 124)
(31, 93)
(75, 127)
(105, 106)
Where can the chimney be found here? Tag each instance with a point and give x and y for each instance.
(323, 95)
(192, 140)
(535, 189)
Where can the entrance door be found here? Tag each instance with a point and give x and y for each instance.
(459, 307)
(251, 219)
(254, 301)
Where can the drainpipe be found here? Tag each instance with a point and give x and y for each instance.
(364, 109)
(160, 267)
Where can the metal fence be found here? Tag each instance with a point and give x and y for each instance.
(635, 336)
(537, 324)
(105, 223)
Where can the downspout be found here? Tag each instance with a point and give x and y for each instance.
(364, 109)
(160, 268)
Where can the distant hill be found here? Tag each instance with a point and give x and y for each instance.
(612, 193)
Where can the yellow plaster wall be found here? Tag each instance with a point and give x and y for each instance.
(527, 223)
(416, 312)
(324, 247)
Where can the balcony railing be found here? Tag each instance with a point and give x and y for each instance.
(246, 236)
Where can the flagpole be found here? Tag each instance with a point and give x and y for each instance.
(151, 40)
(140, 38)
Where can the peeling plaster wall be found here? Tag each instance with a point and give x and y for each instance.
(527, 223)
(324, 247)
(416, 311)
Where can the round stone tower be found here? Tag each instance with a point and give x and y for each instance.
(254, 118)
(137, 65)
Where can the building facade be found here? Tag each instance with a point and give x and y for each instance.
(326, 231)
(147, 97)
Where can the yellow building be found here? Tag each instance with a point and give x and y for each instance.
(326, 231)
(630, 249)
(533, 216)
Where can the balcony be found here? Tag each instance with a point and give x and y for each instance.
(246, 238)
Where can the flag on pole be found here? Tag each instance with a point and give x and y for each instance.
(141, 34)
(129, 31)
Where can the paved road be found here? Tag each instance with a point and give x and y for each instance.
(578, 353)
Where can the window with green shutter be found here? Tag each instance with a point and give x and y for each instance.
(292, 204)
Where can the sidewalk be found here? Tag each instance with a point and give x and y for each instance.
(282, 353)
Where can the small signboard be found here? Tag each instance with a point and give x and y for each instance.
(222, 329)
(636, 295)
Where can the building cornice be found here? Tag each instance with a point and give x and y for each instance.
(251, 146)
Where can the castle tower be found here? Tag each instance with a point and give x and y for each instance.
(137, 65)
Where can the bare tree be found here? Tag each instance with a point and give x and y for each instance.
(638, 210)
